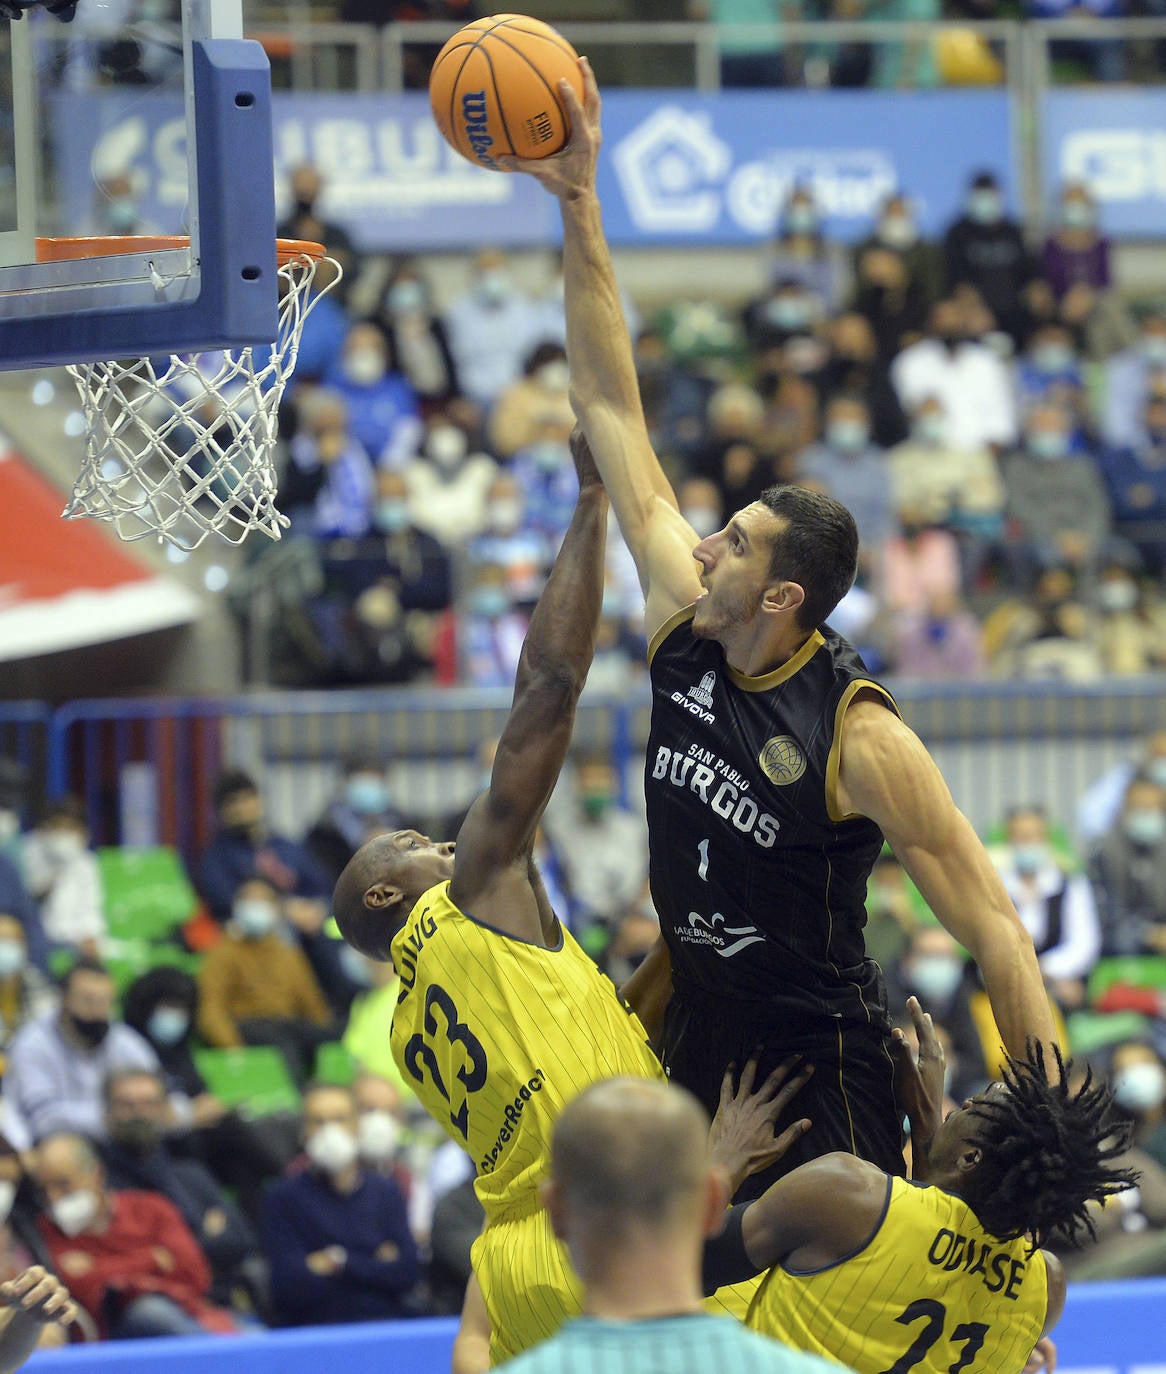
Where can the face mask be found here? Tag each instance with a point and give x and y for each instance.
(9, 826)
(703, 519)
(92, 1030)
(936, 976)
(1121, 595)
(494, 286)
(1077, 214)
(1052, 358)
(849, 436)
(489, 602)
(897, 231)
(368, 796)
(788, 312)
(1140, 1088)
(63, 845)
(1048, 444)
(951, 341)
(167, 1025)
(446, 445)
(1145, 827)
(332, 1148)
(12, 957)
(75, 1211)
(801, 219)
(364, 366)
(139, 1135)
(1157, 771)
(1029, 858)
(254, 919)
(929, 430)
(985, 206)
(1154, 349)
(595, 805)
(406, 298)
(392, 516)
(251, 831)
(554, 376)
(7, 1198)
(548, 455)
(505, 516)
(377, 1134)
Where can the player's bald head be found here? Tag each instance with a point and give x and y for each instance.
(631, 1149)
(363, 926)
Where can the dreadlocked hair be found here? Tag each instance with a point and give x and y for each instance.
(1046, 1152)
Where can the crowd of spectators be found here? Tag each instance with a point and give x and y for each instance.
(168, 1209)
(994, 414)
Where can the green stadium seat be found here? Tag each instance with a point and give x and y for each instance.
(335, 1064)
(1136, 970)
(254, 1079)
(1090, 1031)
(147, 892)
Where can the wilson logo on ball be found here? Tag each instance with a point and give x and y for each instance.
(475, 116)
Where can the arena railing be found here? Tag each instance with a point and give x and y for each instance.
(146, 767)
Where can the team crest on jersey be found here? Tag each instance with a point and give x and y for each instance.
(703, 691)
(782, 760)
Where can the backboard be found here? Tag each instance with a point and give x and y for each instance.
(141, 117)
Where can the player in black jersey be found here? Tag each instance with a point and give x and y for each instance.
(775, 764)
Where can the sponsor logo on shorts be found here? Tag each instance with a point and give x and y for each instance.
(782, 760)
(712, 931)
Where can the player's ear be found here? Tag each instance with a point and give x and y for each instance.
(783, 596)
(555, 1203)
(716, 1200)
(382, 896)
(969, 1159)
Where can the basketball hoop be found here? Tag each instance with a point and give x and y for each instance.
(182, 447)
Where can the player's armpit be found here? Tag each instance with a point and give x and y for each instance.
(649, 990)
(886, 774)
(471, 1345)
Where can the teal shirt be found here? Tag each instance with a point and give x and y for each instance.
(691, 1344)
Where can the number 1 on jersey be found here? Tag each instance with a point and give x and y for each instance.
(703, 850)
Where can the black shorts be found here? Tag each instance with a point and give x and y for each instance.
(850, 1099)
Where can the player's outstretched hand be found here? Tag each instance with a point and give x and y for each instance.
(1044, 1356)
(741, 1140)
(919, 1081)
(585, 468)
(571, 171)
(40, 1295)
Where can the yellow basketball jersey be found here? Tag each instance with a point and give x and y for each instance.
(496, 1036)
(932, 1292)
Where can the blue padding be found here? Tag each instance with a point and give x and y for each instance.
(237, 301)
(1108, 1328)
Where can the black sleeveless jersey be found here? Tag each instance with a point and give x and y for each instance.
(760, 886)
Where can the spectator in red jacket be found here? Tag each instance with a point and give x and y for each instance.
(129, 1258)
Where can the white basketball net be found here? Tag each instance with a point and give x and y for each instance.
(181, 448)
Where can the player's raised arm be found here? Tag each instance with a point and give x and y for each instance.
(560, 643)
(604, 389)
(888, 775)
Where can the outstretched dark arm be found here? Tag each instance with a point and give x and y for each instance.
(498, 833)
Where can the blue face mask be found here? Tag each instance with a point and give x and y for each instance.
(1051, 359)
(985, 206)
(801, 219)
(489, 602)
(1048, 444)
(167, 1025)
(788, 312)
(1029, 858)
(366, 795)
(850, 436)
(392, 516)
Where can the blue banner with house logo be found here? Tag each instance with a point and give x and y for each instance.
(678, 168)
(1115, 142)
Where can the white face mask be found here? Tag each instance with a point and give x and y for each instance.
(364, 366)
(7, 1198)
(332, 1148)
(75, 1211)
(1140, 1087)
(554, 376)
(1118, 595)
(252, 919)
(9, 825)
(12, 957)
(446, 445)
(936, 976)
(377, 1136)
(505, 516)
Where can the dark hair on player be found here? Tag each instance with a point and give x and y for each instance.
(1046, 1152)
(818, 548)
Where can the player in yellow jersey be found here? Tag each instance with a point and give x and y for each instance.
(888, 1275)
(502, 1019)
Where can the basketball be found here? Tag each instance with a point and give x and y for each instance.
(494, 89)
